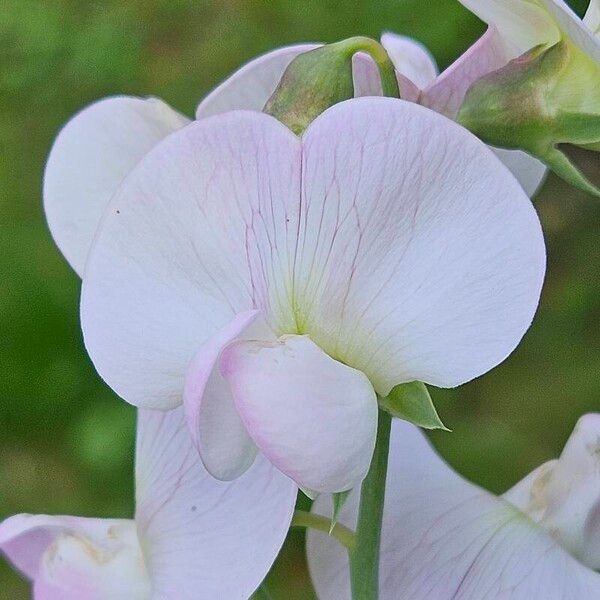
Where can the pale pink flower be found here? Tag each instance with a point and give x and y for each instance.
(192, 536)
(444, 538)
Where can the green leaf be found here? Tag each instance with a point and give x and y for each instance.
(339, 499)
(412, 402)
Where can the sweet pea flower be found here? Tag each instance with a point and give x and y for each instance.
(444, 538)
(276, 284)
(192, 537)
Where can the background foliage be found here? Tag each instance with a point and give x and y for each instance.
(66, 442)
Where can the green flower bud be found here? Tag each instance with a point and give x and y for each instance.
(541, 99)
(322, 77)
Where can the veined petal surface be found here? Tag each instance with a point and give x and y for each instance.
(204, 538)
(390, 235)
(448, 539)
(92, 154)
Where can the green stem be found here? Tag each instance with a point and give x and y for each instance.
(364, 556)
(342, 534)
(387, 71)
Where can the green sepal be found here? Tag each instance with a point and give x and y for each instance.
(556, 160)
(412, 402)
(318, 79)
(339, 499)
(313, 82)
(547, 97)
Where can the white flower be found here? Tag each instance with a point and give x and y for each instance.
(444, 538)
(192, 536)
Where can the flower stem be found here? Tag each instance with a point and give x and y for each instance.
(364, 556)
(342, 534)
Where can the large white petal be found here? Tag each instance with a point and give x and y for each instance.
(251, 86)
(410, 254)
(204, 538)
(199, 232)
(92, 154)
(69, 558)
(419, 256)
(523, 24)
(313, 417)
(447, 539)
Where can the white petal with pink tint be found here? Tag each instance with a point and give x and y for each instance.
(69, 558)
(446, 94)
(419, 256)
(448, 539)
(251, 86)
(314, 418)
(390, 235)
(92, 154)
(203, 538)
(217, 431)
(199, 233)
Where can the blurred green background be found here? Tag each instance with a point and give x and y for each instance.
(66, 442)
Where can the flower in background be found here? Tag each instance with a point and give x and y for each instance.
(446, 538)
(191, 537)
(276, 284)
(543, 89)
(418, 79)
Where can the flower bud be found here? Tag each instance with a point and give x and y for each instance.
(543, 98)
(322, 77)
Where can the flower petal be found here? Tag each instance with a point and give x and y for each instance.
(217, 431)
(202, 537)
(314, 418)
(592, 17)
(447, 92)
(195, 235)
(89, 159)
(521, 23)
(447, 539)
(410, 58)
(72, 557)
(419, 255)
(251, 86)
(582, 34)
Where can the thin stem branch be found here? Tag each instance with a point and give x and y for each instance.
(342, 534)
(364, 556)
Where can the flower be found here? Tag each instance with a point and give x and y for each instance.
(417, 77)
(444, 537)
(191, 537)
(549, 94)
(276, 284)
